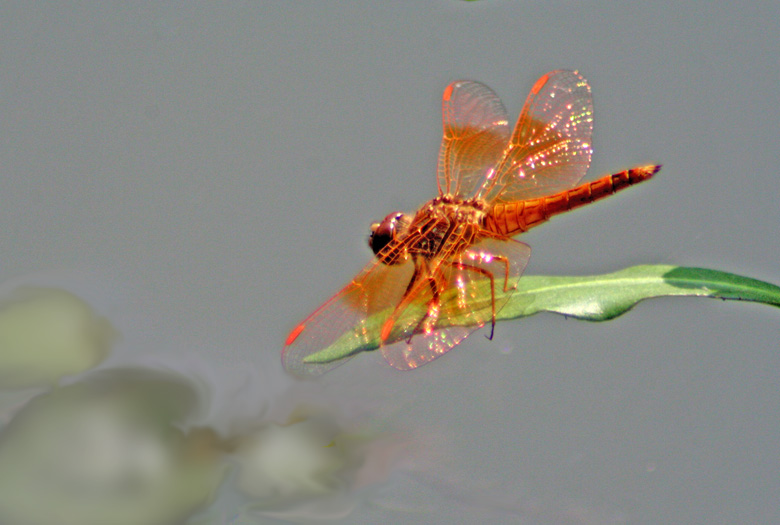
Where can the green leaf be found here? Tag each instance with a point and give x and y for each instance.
(591, 298)
(604, 297)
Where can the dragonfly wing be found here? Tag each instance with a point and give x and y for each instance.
(550, 148)
(476, 131)
(347, 318)
(466, 300)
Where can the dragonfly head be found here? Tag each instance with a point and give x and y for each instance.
(392, 227)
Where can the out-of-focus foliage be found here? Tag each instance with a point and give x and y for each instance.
(107, 450)
(48, 333)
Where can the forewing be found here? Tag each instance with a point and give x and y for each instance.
(550, 148)
(346, 317)
(465, 300)
(476, 131)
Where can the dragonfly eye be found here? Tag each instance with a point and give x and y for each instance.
(382, 233)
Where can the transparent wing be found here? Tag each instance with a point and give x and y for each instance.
(346, 317)
(550, 148)
(476, 131)
(466, 302)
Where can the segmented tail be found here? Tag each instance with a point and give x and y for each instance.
(512, 218)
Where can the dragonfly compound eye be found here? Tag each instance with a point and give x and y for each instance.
(382, 233)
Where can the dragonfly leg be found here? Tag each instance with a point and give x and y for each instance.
(491, 258)
(489, 275)
(504, 260)
(387, 327)
(431, 311)
(416, 286)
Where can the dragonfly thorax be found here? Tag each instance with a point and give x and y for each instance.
(455, 209)
(445, 223)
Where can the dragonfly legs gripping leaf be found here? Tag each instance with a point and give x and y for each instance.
(489, 275)
(421, 278)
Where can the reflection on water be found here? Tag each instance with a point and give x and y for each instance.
(116, 448)
(133, 445)
(158, 445)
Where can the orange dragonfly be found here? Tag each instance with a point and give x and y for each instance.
(493, 184)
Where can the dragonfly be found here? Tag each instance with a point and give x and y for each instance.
(441, 273)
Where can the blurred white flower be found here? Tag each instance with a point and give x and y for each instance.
(48, 333)
(107, 451)
(318, 465)
(281, 464)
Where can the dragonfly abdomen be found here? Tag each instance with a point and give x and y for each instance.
(512, 218)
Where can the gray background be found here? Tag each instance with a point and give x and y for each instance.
(205, 177)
